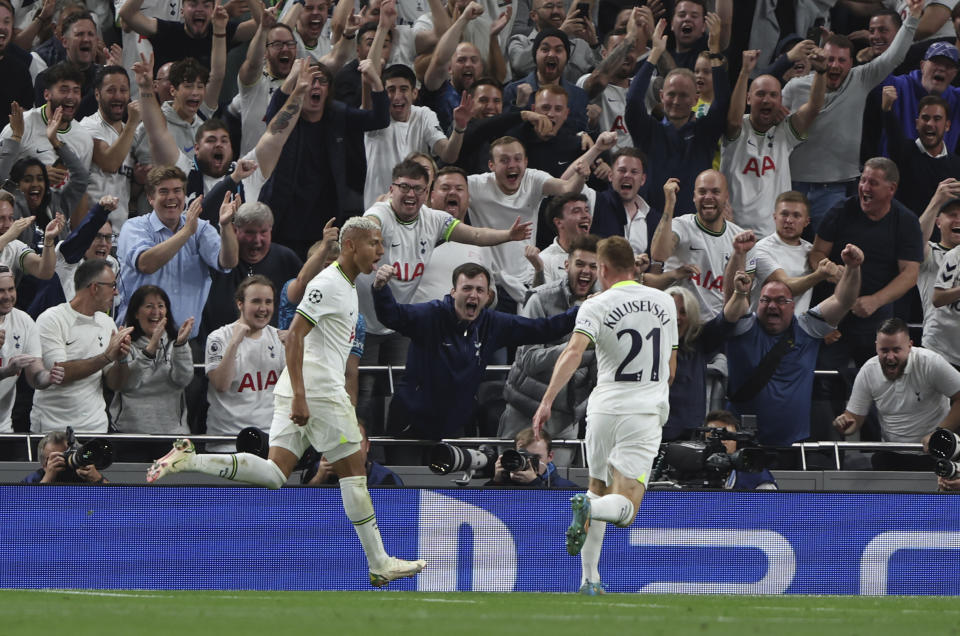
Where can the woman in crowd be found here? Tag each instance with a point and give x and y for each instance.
(152, 400)
(243, 362)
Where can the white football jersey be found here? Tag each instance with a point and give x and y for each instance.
(634, 328)
(330, 305)
(113, 183)
(928, 276)
(613, 103)
(941, 327)
(407, 245)
(250, 103)
(35, 144)
(770, 254)
(709, 251)
(20, 338)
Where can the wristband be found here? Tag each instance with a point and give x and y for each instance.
(349, 37)
(219, 35)
(459, 130)
(740, 293)
(716, 56)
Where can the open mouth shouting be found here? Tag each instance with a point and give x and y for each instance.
(34, 196)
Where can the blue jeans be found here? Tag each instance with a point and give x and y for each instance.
(824, 196)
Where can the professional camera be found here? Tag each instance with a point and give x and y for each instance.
(944, 445)
(98, 452)
(704, 462)
(514, 461)
(447, 458)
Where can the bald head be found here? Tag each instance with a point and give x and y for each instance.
(765, 101)
(710, 198)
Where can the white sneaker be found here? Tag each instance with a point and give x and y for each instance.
(172, 462)
(395, 568)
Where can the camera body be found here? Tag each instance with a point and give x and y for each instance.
(517, 460)
(704, 462)
(944, 445)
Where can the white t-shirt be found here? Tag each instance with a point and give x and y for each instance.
(324, 45)
(945, 31)
(912, 405)
(330, 305)
(490, 207)
(408, 246)
(249, 400)
(437, 279)
(115, 183)
(928, 276)
(635, 230)
(65, 272)
(708, 251)
(12, 256)
(404, 49)
(389, 146)
(941, 326)
(67, 335)
(34, 142)
(772, 253)
(250, 103)
(21, 338)
(554, 260)
(757, 168)
(634, 328)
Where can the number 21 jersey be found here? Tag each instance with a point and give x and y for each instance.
(634, 329)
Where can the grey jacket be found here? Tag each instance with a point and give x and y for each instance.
(152, 398)
(533, 366)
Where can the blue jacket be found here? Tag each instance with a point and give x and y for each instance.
(610, 217)
(909, 93)
(682, 153)
(447, 358)
(576, 99)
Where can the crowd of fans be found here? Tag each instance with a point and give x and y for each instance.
(176, 173)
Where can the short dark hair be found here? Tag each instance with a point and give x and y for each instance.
(257, 279)
(112, 69)
(702, 3)
(470, 270)
(557, 203)
(211, 124)
(584, 243)
(840, 41)
(88, 271)
(73, 18)
(20, 168)
(281, 25)
(452, 170)
(629, 151)
(62, 72)
(188, 70)
(893, 326)
(401, 71)
(890, 13)
(606, 38)
(793, 196)
(411, 170)
(136, 301)
(366, 28)
(934, 100)
(486, 80)
(726, 417)
(8, 6)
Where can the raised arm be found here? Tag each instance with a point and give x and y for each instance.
(576, 174)
(270, 145)
(665, 240)
(109, 158)
(134, 18)
(252, 66)
(738, 304)
(877, 69)
(314, 264)
(844, 297)
(639, 123)
(803, 118)
(947, 189)
(426, 40)
(485, 236)
(218, 57)
(229, 248)
(496, 63)
(44, 265)
(449, 149)
(437, 71)
(933, 17)
(163, 147)
(640, 20)
(152, 259)
(742, 243)
(345, 47)
(221, 376)
(738, 99)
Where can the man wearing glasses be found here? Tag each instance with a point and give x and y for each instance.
(772, 354)
(81, 338)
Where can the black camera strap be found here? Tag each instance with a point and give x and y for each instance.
(764, 370)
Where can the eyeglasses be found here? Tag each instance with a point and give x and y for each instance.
(105, 236)
(277, 44)
(321, 80)
(113, 284)
(780, 301)
(407, 187)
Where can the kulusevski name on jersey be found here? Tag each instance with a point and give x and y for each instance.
(632, 307)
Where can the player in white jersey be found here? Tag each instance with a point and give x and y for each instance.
(311, 403)
(634, 330)
(244, 360)
(940, 329)
(943, 213)
(704, 239)
(19, 351)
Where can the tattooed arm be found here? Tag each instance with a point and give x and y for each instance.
(278, 130)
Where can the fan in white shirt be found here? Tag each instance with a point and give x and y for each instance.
(570, 216)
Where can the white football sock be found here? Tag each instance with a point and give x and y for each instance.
(590, 553)
(613, 508)
(245, 467)
(359, 509)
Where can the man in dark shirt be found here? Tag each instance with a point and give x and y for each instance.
(14, 67)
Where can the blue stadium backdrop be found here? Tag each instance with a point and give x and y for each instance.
(126, 537)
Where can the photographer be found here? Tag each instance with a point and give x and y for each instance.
(538, 472)
(739, 479)
(53, 467)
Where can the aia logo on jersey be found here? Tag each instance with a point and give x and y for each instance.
(257, 382)
(403, 272)
(760, 169)
(711, 282)
(618, 125)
